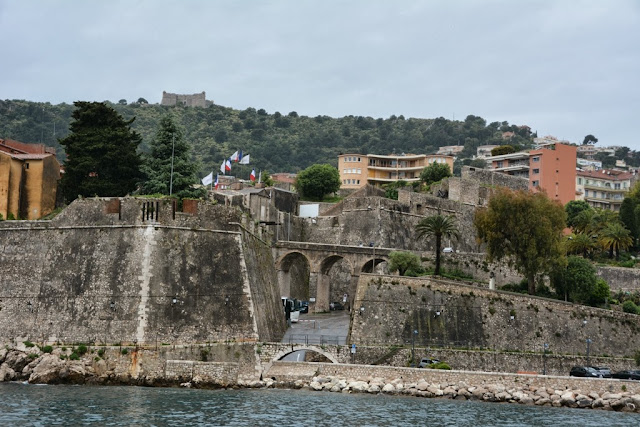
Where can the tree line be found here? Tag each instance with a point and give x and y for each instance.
(276, 141)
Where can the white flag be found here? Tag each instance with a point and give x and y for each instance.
(260, 177)
(234, 157)
(244, 160)
(222, 166)
(207, 179)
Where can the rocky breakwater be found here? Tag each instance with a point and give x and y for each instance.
(527, 395)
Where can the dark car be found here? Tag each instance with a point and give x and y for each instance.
(304, 306)
(426, 361)
(627, 375)
(603, 371)
(584, 371)
(336, 306)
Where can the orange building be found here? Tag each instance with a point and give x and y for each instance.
(551, 168)
(358, 170)
(29, 175)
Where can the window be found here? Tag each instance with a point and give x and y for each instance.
(537, 171)
(535, 183)
(26, 165)
(358, 158)
(536, 159)
(359, 171)
(586, 193)
(344, 181)
(344, 171)
(617, 186)
(580, 181)
(358, 182)
(499, 164)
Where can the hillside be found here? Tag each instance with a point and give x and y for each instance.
(276, 142)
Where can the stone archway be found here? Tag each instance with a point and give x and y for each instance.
(375, 265)
(295, 348)
(294, 270)
(335, 275)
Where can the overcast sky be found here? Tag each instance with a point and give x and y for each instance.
(565, 68)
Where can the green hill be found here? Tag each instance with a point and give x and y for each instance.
(276, 142)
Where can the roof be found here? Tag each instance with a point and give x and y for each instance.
(31, 156)
(610, 174)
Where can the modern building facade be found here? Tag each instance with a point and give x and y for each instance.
(358, 170)
(551, 168)
(604, 188)
(29, 175)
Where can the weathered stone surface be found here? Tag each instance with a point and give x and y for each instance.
(6, 373)
(388, 388)
(48, 370)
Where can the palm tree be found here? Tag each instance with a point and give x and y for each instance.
(580, 243)
(438, 226)
(615, 237)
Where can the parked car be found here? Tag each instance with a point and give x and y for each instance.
(584, 371)
(447, 250)
(627, 375)
(603, 371)
(304, 306)
(336, 306)
(426, 361)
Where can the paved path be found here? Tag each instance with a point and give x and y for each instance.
(319, 328)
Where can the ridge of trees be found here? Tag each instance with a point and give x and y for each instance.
(277, 142)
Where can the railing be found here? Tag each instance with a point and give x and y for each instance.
(317, 339)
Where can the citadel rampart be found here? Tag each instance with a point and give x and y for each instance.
(136, 271)
(390, 308)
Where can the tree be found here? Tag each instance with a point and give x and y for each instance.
(526, 228)
(169, 142)
(576, 281)
(503, 149)
(402, 262)
(589, 139)
(629, 217)
(141, 101)
(580, 243)
(478, 163)
(438, 226)
(318, 180)
(435, 172)
(122, 102)
(573, 208)
(615, 238)
(101, 153)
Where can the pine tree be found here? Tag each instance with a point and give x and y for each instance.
(101, 153)
(169, 139)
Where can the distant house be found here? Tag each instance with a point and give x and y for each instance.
(605, 188)
(551, 168)
(358, 170)
(29, 175)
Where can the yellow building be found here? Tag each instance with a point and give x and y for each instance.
(357, 170)
(28, 180)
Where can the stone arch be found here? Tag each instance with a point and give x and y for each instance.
(368, 266)
(325, 286)
(294, 348)
(293, 269)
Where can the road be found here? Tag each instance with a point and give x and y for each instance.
(319, 328)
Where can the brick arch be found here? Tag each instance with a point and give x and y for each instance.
(295, 348)
(329, 261)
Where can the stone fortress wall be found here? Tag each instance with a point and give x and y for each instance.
(136, 271)
(400, 310)
(195, 100)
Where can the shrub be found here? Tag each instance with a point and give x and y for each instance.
(101, 352)
(439, 365)
(74, 356)
(28, 344)
(82, 349)
(47, 349)
(630, 307)
(32, 356)
(125, 351)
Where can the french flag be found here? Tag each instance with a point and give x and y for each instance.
(252, 177)
(215, 183)
(227, 165)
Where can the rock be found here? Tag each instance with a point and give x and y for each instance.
(16, 360)
(635, 399)
(47, 371)
(374, 388)
(335, 389)
(449, 391)
(185, 385)
(593, 395)
(583, 401)
(315, 385)
(611, 396)
(359, 386)
(568, 399)
(503, 396)
(433, 389)
(3, 354)
(597, 403)
(6, 373)
(388, 388)
(526, 400)
(618, 404)
(422, 385)
(543, 401)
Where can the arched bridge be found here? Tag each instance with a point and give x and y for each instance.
(319, 259)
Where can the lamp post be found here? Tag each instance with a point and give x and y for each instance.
(173, 151)
(544, 359)
(588, 347)
(413, 348)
